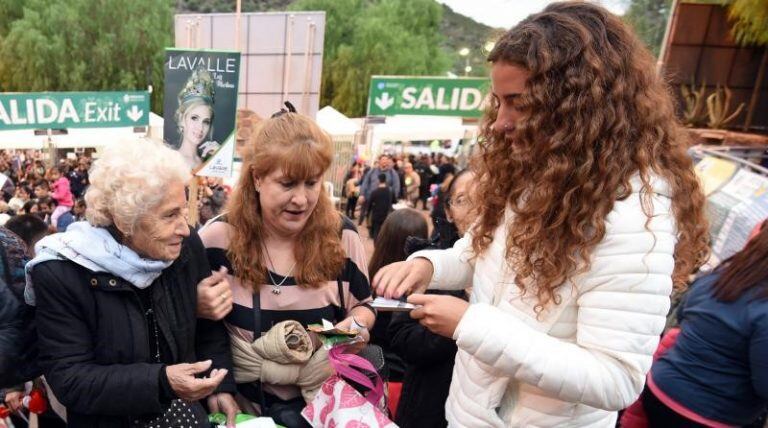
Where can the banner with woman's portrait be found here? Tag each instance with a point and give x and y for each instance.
(200, 105)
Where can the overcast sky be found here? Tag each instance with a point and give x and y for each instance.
(506, 13)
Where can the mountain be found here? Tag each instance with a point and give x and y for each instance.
(464, 32)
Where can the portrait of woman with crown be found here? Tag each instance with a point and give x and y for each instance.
(194, 118)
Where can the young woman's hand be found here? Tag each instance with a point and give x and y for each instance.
(440, 314)
(402, 278)
(208, 148)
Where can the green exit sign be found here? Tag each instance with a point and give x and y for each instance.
(433, 96)
(36, 110)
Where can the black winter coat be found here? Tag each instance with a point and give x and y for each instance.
(429, 362)
(93, 341)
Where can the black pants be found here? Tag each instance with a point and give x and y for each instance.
(351, 205)
(423, 196)
(363, 212)
(375, 228)
(659, 415)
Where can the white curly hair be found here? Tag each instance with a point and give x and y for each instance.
(129, 179)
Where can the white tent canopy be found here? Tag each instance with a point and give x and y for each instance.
(419, 128)
(336, 124)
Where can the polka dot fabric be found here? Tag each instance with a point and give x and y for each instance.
(180, 414)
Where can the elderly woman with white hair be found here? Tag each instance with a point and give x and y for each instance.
(116, 300)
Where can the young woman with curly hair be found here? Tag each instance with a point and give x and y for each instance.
(291, 258)
(589, 215)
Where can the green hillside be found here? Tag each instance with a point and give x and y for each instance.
(459, 31)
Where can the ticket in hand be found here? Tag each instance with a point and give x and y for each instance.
(391, 305)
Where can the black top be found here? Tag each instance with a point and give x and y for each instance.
(94, 340)
(380, 204)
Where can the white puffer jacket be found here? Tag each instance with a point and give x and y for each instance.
(583, 359)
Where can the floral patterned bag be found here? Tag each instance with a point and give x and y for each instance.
(338, 404)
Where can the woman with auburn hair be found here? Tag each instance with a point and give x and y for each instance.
(716, 374)
(292, 261)
(589, 215)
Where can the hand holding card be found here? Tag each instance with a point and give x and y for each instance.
(383, 304)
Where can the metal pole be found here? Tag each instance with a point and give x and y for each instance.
(237, 25)
(661, 60)
(197, 32)
(288, 49)
(756, 90)
(189, 33)
(308, 53)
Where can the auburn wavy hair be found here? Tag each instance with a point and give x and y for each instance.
(594, 114)
(296, 145)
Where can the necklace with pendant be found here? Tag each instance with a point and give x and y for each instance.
(273, 283)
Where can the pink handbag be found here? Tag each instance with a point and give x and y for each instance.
(338, 404)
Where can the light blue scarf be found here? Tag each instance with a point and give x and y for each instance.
(95, 249)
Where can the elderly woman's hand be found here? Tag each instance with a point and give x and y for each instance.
(182, 379)
(224, 403)
(214, 297)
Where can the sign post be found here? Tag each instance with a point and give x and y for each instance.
(433, 96)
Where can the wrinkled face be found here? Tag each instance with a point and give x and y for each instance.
(286, 204)
(197, 123)
(459, 205)
(159, 233)
(507, 85)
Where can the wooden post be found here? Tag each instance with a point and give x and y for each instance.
(194, 190)
(756, 90)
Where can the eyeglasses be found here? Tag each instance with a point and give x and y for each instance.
(458, 202)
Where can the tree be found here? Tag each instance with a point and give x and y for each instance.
(649, 20)
(750, 27)
(750, 21)
(365, 38)
(82, 45)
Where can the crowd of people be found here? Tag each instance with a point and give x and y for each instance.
(371, 191)
(541, 285)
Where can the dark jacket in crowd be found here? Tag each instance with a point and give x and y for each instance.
(380, 204)
(18, 357)
(94, 340)
(429, 362)
(10, 336)
(425, 178)
(370, 181)
(78, 182)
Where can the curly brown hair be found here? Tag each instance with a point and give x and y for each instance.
(594, 114)
(295, 144)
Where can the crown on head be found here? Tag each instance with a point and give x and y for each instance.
(199, 86)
